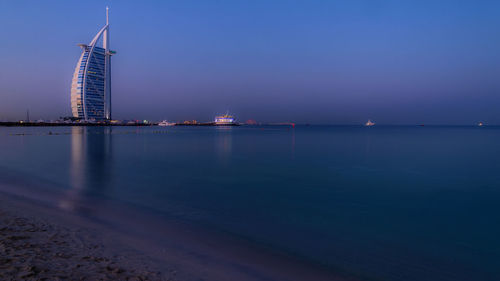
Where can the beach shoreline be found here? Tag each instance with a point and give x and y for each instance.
(52, 242)
(37, 244)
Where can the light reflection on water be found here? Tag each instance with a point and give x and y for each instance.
(224, 144)
(90, 167)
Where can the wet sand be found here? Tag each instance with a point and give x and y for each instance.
(40, 242)
(37, 248)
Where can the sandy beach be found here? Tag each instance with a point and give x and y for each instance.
(36, 248)
(40, 242)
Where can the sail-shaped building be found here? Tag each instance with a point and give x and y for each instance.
(91, 84)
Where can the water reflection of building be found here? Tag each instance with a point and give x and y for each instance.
(224, 143)
(91, 155)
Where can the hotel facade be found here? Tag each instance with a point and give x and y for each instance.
(91, 84)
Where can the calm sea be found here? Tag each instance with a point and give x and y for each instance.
(382, 203)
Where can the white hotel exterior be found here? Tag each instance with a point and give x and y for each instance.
(91, 84)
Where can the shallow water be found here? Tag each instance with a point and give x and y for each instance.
(379, 203)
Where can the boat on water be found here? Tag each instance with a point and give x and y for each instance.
(480, 124)
(165, 123)
(225, 120)
(369, 123)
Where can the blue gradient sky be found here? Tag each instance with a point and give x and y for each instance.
(337, 62)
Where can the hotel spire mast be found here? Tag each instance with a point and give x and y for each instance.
(107, 83)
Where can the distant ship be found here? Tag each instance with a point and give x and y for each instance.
(165, 123)
(369, 123)
(225, 120)
(480, 124)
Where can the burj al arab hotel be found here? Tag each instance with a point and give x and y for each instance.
(91, 84)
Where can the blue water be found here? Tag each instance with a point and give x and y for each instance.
(379, 203)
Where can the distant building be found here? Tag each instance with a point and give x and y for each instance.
(91, 84)
(225, 119)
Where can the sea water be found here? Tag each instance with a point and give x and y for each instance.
(380, 203)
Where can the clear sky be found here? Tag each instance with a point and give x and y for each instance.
(336, 62)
